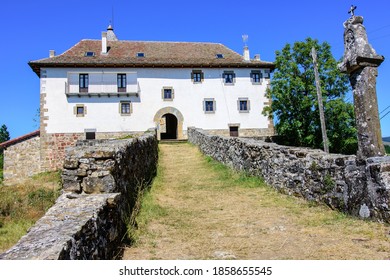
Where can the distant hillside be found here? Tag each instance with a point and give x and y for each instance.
(386, 139)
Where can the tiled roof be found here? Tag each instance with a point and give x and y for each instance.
(157, 54)
(19, 139)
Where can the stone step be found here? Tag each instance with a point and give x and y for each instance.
(171, 141)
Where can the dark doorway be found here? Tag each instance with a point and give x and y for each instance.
(170, 129)
(233, 131)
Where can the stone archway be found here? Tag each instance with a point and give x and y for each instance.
(169, 110)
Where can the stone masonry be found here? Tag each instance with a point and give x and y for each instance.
(342, 182)
(21, 157)
(361, 62)
(102, 181)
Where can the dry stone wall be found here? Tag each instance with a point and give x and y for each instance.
(21, 160)
(357, 187)
(102, 183)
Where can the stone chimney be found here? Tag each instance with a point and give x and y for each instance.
(52, 53)
(104, 42)
(257, 57)
(246, 54)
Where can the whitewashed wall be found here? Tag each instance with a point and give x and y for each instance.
(103, 112)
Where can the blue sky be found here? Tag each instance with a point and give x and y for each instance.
(32, 28)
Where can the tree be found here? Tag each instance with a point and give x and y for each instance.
(294, 99)
(4, 134)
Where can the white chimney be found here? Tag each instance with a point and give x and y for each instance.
(104, 42)
(246, 54)
(257, 57)
(52, 53)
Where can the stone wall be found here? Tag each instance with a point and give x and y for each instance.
(53, 146)
(244, 132)
(343, 182)
(102, 181)
(52, 149)
(21, 159)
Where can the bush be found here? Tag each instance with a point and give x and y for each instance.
(387, 148)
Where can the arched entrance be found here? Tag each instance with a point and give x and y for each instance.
(169, 123)
(168, 127)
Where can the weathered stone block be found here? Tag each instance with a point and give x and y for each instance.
(71, 183)
(71, 163)
(98, 185)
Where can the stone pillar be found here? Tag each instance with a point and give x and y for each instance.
(360, 61)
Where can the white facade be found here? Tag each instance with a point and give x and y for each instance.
(144, 91)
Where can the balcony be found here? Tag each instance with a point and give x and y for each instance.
(101, 84)
(102, 91)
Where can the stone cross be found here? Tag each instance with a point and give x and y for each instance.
(361, 63)
(352, 10)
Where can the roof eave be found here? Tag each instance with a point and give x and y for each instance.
(36, 66)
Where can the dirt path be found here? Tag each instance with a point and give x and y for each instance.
(205, 212)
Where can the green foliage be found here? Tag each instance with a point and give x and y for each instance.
(328, 183)
(4, 134)
(387, 148)
(42, 199)
(1, 165)
(294, 99)
(21, 205)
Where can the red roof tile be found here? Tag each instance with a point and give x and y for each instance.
(157, 54)
(19, 139)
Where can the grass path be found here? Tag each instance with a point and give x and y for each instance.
(199, 209)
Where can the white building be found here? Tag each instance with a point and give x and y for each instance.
(108, 88)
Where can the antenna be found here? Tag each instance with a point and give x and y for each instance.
(112, 14)
(245, 39)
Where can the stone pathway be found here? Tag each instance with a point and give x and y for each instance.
(207, 215)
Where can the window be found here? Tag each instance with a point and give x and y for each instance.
(83, 82)
(219, 56)
(197, 76)
(243, 105)
(209, 105)
(140, 54)
(80, 110)
(125, 108)
(256, 77)
(167, 93)
(89, 54)
(121, 82)
(267, 74)
(229, 77)
(90, 134)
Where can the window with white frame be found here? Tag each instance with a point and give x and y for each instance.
(125, 108)
(243, 105)
(167, 93)
(229, 77)
(209, 105)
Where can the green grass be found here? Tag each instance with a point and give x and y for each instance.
(23, 204)
(148, 209)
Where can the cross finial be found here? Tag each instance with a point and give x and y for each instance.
(245, 39)
(352, 10)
